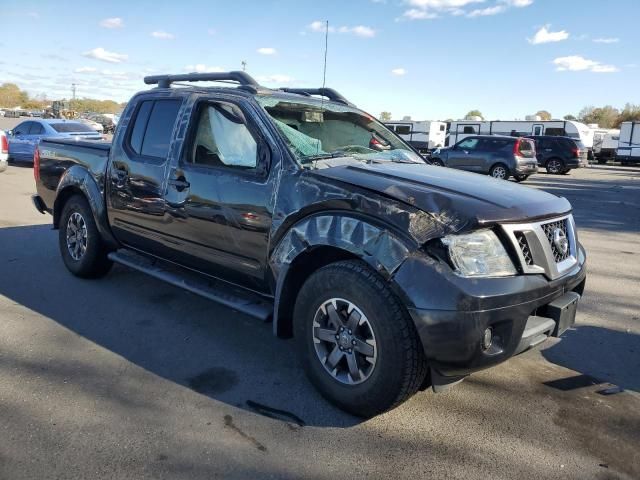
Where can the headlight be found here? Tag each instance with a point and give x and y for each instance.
(479, 254)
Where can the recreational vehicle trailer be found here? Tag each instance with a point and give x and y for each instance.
(423, 136)
(629, 144)
(605, 143)
(519, 128)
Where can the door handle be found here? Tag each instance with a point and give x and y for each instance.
(120, 177)
(179, 183)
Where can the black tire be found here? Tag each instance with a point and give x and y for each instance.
(92, 262)
(520, 178)
(500, 171)
(400, 364)
(437, 162)
(555, 166)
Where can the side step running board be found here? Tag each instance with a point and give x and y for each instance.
(234, 297)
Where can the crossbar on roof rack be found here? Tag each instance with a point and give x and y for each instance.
(165, 81)
(330, 93)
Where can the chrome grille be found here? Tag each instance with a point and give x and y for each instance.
(548, 229)
(535, 247)
(524, 247)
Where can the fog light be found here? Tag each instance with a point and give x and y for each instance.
(487, 339)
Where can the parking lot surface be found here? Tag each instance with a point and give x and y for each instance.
(126, 377)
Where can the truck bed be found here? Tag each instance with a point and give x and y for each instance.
(58, 155)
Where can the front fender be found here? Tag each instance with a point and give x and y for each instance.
(79, 179)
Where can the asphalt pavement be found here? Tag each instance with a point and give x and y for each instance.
(127, 377)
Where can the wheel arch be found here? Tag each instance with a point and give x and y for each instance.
(322, 239)
(78, 181)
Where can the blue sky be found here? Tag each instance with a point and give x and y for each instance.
(431, 59)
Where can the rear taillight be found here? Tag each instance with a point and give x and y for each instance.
(4, 144)
(516, 147)
(36, 164)
(519, 151)
(576, 152)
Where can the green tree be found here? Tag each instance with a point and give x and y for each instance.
(570, 117)
(605, 117)
(11, 95)
(385, 116)
(544, 115)
(474, 113)
(630, 112)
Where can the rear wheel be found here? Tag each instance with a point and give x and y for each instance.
(520, 178)
(358, 344)
(499, 170)
(80, 244)
(555, 166)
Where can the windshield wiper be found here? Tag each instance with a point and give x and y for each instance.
(322, 156)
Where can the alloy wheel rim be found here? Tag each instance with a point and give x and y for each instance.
(554, 166)
(76, 236)
(344, 341)
(499, 172)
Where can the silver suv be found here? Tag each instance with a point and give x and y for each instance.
(495, 155)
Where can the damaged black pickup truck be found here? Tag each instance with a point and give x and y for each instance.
(295, 207)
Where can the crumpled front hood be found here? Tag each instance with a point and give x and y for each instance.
(458, 200)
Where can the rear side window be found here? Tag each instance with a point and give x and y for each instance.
(153, 126)
(36, 129)
(22, 129)
(556, 132)
(71, 127)
(493, 144)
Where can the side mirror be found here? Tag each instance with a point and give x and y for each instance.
(10, 133)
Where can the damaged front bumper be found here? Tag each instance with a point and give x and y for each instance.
(520, 311)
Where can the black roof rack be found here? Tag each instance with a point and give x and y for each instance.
(330, 93)
(165, 81)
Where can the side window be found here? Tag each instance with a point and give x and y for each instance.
(153, 126)
(469, 129)
(140, 125)
(222, 138)
(468, 144)
(403, 129)
(442, 128)
(22, 129)
(36, 129)
(555, 132)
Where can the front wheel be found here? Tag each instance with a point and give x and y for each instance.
(358, 344)
(499, 171)
(520, 178)
(80, 243)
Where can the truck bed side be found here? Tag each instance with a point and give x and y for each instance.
(60, 158)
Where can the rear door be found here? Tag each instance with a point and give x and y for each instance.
(220, 193)
(136, 177)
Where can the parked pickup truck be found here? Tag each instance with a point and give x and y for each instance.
(391, 274)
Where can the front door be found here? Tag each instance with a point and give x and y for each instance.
(136, 175)
(464, 155)
(18, 141)
(220, 194)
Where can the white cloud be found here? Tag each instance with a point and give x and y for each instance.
(399, 72)
(163, 35)
(606, 40)
(429, 9)
(358, 30)
(544, 35)
(485, 12)
(202, 68)
(577, 63)
(85, 70)
(267, 51)
(115, 22)
(106, 56)
(277, 78)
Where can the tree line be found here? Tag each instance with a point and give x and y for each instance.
(605, 117)
(11, 96)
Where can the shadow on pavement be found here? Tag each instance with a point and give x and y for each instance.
(605, 354)
(191, 341)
